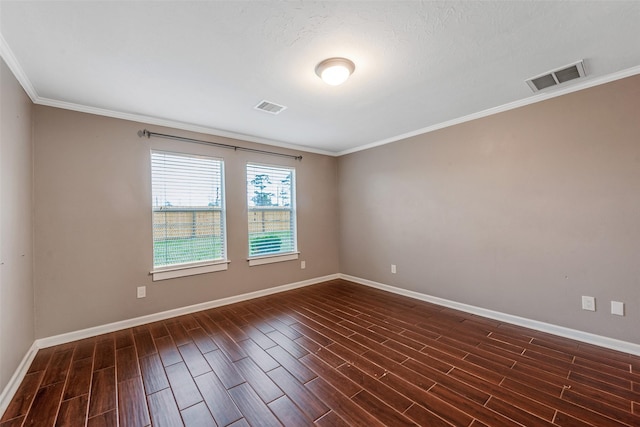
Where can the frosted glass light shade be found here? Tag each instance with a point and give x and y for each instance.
(335, 71)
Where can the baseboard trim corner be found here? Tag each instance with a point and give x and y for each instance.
(12, 386)
(16, 379)
(586, 337)
(163, 315)
(18, 376)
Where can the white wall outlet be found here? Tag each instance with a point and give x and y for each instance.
(393, 268)
(142, 291)
(303, 265)
(588, 303)
(617, 308)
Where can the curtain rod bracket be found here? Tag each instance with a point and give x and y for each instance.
(144, 132)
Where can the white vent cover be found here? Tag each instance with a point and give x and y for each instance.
(270, 107)
(556, 77)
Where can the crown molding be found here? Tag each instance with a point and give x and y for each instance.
(14, 66)
(150, 120)
(12, 62)
(596, 81)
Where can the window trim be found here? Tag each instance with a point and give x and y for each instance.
(270, 259)
(256, 260)
(184, 270)
(199, 267)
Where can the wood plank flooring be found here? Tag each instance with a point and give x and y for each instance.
(333, 354)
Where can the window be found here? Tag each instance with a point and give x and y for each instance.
(271, 201)
(188, 214)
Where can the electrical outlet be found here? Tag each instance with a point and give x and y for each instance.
(588, 303)
(617, 308)
(303, 265)
(142, 291)
(393, 268)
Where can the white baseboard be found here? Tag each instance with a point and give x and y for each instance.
(13, 384)
(137, 321)
(17, 377)
(11, 387)
(574, 334)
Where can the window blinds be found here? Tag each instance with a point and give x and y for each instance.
(188, 209)
(271, 210)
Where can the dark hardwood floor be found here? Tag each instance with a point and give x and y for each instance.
(333, 354)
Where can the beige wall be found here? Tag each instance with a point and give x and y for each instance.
(16, 241)
(93, 232)
(521, 212)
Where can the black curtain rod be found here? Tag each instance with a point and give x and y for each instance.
(149, 134)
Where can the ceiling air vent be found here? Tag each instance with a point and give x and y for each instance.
(556, 77)
(269, 107)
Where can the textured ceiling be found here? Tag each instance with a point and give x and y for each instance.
(205, 65)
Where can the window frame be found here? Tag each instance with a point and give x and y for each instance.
(255, 260)
(195, 267)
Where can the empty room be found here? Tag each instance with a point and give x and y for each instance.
(319, 213)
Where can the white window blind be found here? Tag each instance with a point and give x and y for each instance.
(188, 209)
(272, 210)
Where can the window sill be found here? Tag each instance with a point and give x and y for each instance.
(270, 259)
(188, 270)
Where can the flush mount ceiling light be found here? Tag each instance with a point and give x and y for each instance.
(335, 71)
